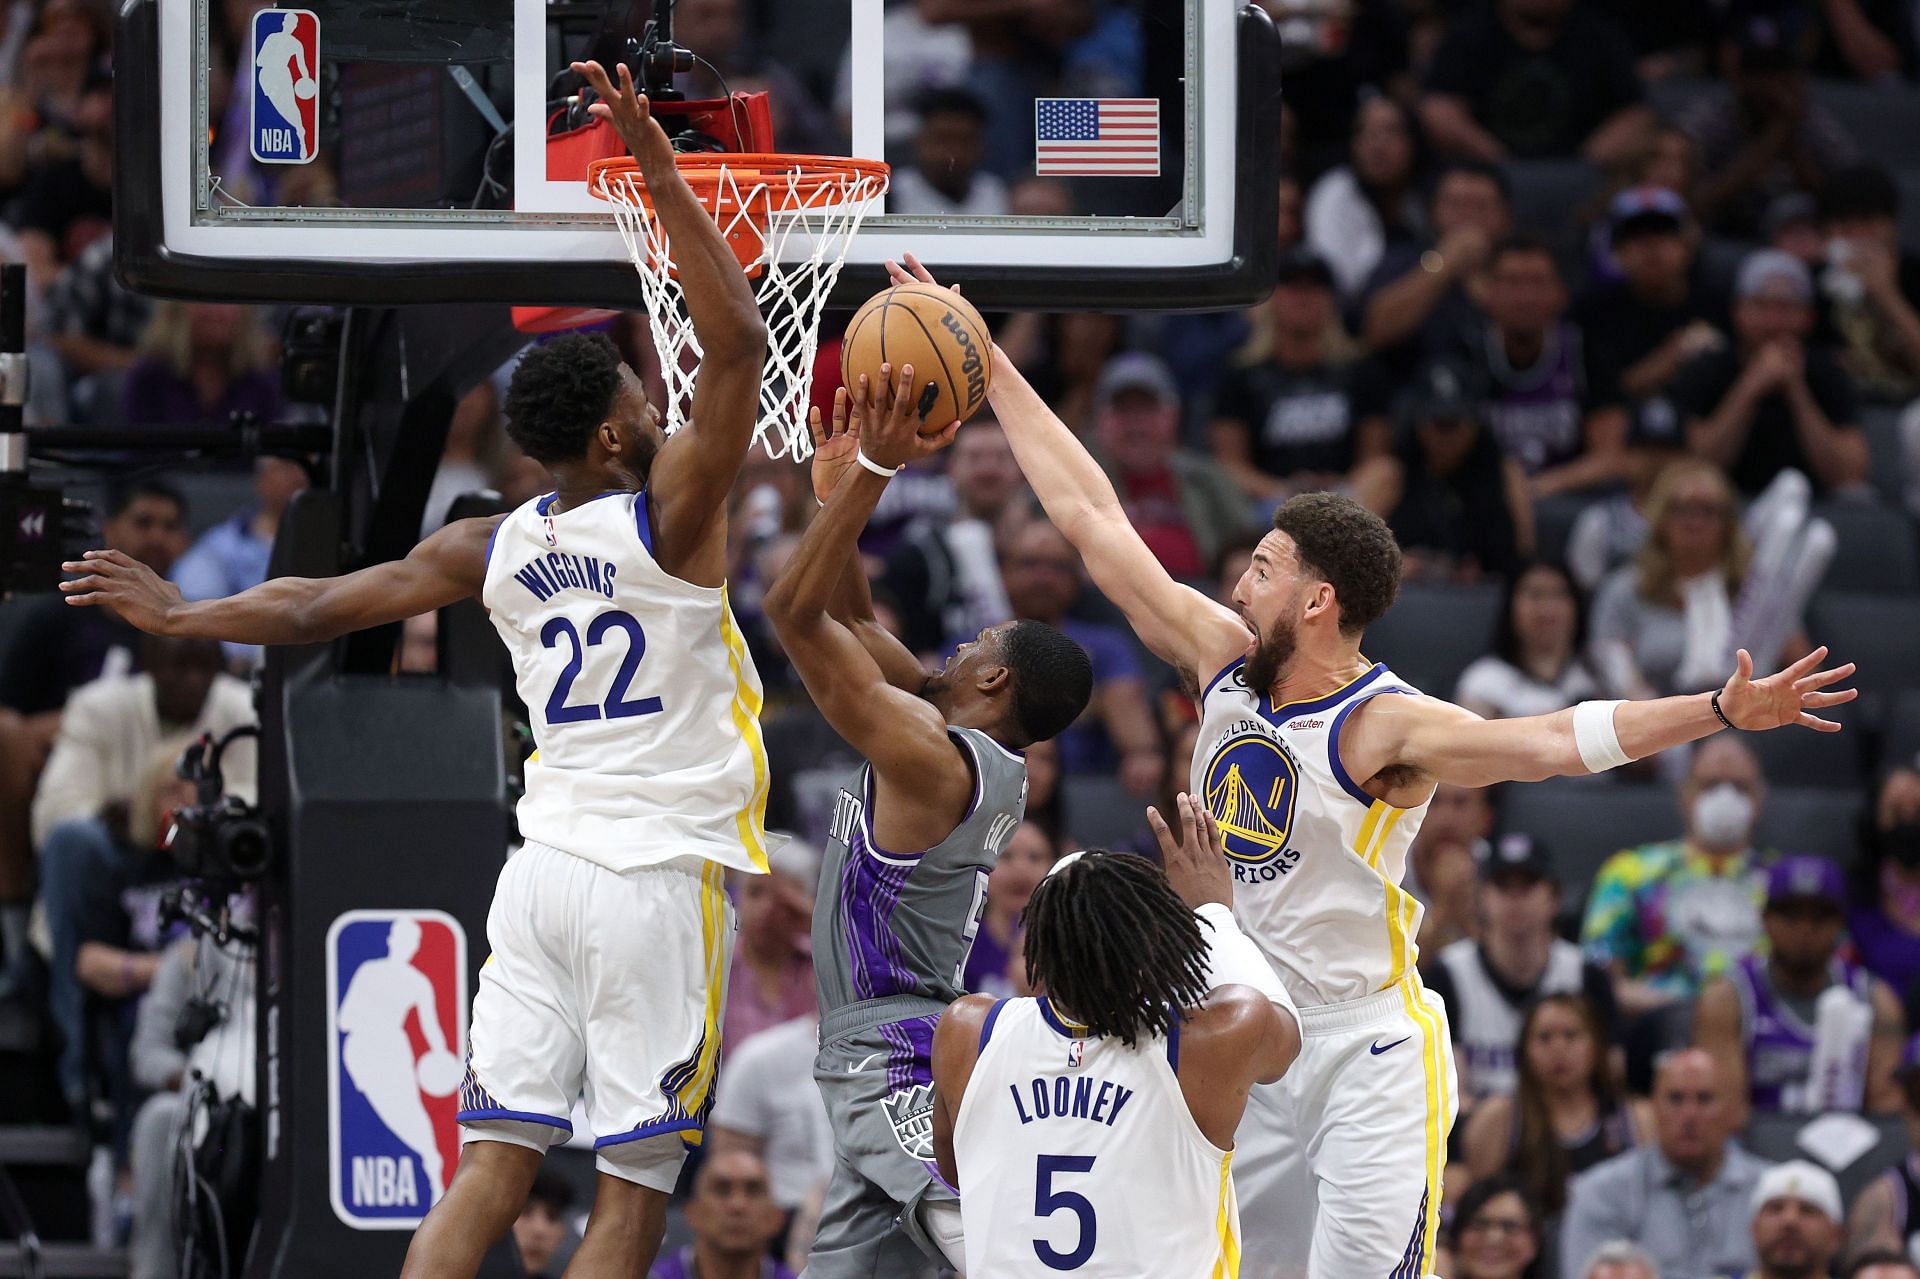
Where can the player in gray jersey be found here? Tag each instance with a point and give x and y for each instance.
(915, 833)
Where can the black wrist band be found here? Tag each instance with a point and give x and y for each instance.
(1718, 713)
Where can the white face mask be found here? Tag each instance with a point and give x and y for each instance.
(1722, 816)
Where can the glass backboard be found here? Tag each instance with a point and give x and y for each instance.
(1067, 153)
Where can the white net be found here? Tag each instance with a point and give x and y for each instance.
(793, 206)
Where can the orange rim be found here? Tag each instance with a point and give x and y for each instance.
(708, 172)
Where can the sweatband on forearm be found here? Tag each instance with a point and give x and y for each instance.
(1233, 959)
(1594, 736)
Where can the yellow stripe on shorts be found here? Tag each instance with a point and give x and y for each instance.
(1433, 1068)
(1226, 1226)
(693, 1095)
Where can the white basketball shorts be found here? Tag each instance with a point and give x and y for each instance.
(607, 983)
(1348, 1148)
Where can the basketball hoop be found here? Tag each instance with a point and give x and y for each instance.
(759, 202)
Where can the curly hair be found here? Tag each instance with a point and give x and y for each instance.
(560, 394)
(1052, 679)
(1341, 542)
(1113, 944)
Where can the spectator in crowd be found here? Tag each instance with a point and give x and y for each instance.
(1291, 224)
(1181, 502)
(944, 573)
(1044, 578)
(1305, 414)
(1767, 401)
(1870, 286)
(1339, 60)
(1535, 79)
(1661, 313)
(1766, 135)
(733, 1219)
(232, 555)
(541, 1233)
(171, 1053)
(1356, 210)
(1662, 623)
(94, 324)
(733, 61)
(1068, 352)
(1883, 1265)
(1884, 1219)
(1490, 980)
(65, 201)
(767, 1104)
(1683, 1198)
(1620, 1260)
(1609, 531)
(102, 883)
(1541, 403)
(1418, 301)
(946, 178)
(1045, 808)
(1443, 864)
(200, 364)
(995, 963)
(1495, 1232)
(1796, 1222)
(1538, 664)
(1884, 923)
(1799, 1030)
(1565, 1115)
(1867, 40)
(772, 974)
(1792, 224)
(1666, 917)
(474, 434)
(1457, 505)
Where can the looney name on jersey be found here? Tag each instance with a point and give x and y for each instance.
(556, 571)
(1062, 1097)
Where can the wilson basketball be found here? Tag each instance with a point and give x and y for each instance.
(938, 332)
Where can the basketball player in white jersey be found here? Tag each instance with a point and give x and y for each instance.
(1319, 766)
(1090, 1130)
(610, 929)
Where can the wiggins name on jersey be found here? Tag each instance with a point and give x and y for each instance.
(643, 699)
(1316, 860)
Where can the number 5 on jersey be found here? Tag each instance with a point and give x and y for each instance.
(1047, 1201)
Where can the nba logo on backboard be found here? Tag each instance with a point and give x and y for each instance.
(286, 86)
(396, 1022)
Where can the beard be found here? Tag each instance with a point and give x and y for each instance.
(1270, 656)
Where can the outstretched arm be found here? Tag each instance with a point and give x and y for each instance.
(834, 448)
(1180, 625)
(450, 565)
(691, 477)
(1435, 741)
(922, 783)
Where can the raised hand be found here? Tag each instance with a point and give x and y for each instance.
(1786, 697)
(134, 591)
(914, 272)
(627, 109)
(1196, 862)
(889, 426)
(833, 446)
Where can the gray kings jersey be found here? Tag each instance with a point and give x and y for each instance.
(892, 922)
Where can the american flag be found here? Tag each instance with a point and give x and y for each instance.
(1097, 137)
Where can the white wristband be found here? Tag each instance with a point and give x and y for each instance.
(1595, 738)
(860, 456)
(1233, 959)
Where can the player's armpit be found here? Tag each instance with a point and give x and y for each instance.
(956, 1046)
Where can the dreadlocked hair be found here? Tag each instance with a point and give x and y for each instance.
(1111, 943)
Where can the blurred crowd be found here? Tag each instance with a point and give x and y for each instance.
(1607, 306)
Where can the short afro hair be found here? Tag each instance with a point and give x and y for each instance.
(1052, 679)
(561, 392)
(1342, 542)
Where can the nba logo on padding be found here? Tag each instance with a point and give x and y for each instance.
(285, 128)
(396, 1022)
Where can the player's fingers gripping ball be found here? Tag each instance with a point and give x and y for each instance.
(439, 1073)
(936, 331)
